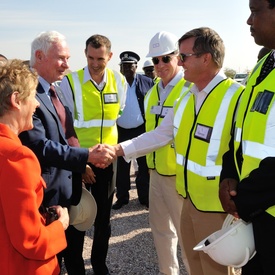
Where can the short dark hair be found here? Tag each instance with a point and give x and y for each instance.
(97, 41)
(206, 41)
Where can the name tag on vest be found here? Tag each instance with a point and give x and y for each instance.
(110, 98)
(160, 110)
(203, 132)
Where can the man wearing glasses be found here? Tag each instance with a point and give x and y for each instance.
(165, 203)
(200, 127)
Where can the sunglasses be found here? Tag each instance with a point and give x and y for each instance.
(182, 56)
(165, 59)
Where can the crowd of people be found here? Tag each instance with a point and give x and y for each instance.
(204, 146)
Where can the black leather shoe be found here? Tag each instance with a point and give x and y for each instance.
(118, 204)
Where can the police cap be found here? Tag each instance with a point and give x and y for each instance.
(129, 57)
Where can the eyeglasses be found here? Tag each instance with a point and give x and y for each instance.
(165, 59)
(182, 56)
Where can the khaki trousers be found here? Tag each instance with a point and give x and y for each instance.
(164, 217)
(196, 226)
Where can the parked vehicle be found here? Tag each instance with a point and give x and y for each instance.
(239, 77)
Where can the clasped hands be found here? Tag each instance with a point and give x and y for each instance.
(102, 155)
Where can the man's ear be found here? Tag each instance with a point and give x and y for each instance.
(39, 55)
(110, 56)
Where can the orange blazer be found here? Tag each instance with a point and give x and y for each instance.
(27, 246)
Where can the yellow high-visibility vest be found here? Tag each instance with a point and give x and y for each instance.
(163, 159)
(96, 111)
(201, 140)
(256, 132)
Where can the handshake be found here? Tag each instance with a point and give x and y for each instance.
(102, 155)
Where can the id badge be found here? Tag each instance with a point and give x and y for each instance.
(203, 132)
(155, 110)
(165, 111)
(110, 98)
(262, 102)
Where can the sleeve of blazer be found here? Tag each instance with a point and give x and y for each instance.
(21, 196)
(50, 147)
(256, 192)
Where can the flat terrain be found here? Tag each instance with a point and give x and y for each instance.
(131, 249)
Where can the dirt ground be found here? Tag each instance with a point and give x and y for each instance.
(131, 248)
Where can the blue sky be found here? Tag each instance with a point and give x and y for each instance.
(128, 24)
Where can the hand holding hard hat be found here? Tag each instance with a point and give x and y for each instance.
(233, 245)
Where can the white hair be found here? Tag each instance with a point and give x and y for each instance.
(43, 42)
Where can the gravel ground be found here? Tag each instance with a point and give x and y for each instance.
(131, 248)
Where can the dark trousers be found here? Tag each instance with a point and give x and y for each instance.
(72, 254)
(264, 234)
(103, 194)
(123, 181)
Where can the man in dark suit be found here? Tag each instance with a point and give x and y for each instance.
(131, 124)
(62, 160)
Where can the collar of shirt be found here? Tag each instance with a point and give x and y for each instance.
(87, 77)
(45, 84)
(134, 82)
(173, 81)
(209, 87)
(164, 92)
(201, 95)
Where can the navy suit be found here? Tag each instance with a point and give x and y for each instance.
(61, 166)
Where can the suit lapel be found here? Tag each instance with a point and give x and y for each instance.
(44, 99)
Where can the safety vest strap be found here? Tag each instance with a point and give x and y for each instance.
(204, 171)
(94, 123)
(257, 150)
(238, 134)
(178, 114)
(78, 95)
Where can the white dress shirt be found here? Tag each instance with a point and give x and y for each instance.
(131, 116)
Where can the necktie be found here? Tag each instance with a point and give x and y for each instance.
(267, 68)
(65, 119)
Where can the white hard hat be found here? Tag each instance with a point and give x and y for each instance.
(148, 63)
(233, 245)
(162, 43)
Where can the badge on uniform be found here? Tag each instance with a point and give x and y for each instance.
(110, 98)
(203, 132)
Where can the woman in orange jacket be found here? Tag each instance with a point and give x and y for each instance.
(27, 245)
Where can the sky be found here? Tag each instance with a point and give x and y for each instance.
(128, 24)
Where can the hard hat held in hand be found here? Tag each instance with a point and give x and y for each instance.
(233, 245)
(162, 43)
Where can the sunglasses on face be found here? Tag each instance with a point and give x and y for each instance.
(165, 59)
(182, 56)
